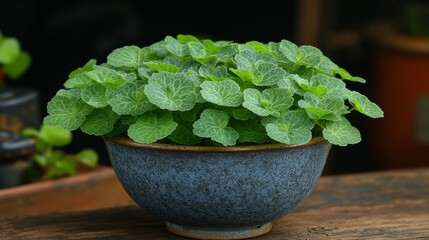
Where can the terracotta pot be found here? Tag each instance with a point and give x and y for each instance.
(218, 192)
(401, 67)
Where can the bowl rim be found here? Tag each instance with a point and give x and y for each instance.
(128, 142)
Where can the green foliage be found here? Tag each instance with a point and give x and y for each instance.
(13, 60)
(293, 127)
(190, 91)
(213, 124)
(151, 127)
(172, 91)
(53, 161)
(223, 93)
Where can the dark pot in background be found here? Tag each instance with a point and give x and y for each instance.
(19, 108)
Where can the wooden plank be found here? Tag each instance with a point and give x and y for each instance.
(93, 189)
(383, 205)
(386, 205)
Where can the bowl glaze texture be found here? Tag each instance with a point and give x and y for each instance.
(218, 187)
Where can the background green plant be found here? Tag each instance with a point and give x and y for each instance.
(414, 18)
(49, 155)
(13, 60)
(192, 91)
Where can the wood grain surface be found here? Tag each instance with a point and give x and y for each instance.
(377, 205)
(89, 190)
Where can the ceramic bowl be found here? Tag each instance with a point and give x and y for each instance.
(218, 192)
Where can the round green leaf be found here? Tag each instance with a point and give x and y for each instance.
(106, 76)
(88, 157)
(341, 133)
(293, 128)
(55, 135)
(224, 93)
(100, 122)
(213, 124)
(95, 95)
(150, 128)
(327, 108)
(336, 87)
(246, 59)
(197, 50)
(67, 112)
(172, 91)
(130, 98)
(182, 38)
(80, 80)
(289, 50)
(18, 65)
(308, 56)
(128, 56)
(362, 104)
(175, 47)
(161, 67)
(271, 101)
(267, 74)
(9, 50)
(62, 166)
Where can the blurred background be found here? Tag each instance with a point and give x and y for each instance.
(63, 35)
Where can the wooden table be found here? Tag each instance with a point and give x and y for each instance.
(378, 205)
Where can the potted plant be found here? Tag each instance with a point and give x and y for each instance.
(19, 107)
(51, 161)
(216, 137)
(59, 181)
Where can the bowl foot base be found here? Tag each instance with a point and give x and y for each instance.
(218, 233)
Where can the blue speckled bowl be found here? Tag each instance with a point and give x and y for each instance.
(218, 192)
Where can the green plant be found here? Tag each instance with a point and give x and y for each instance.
(55, 162)
(185, 90)
(13, 61)
(414, 17)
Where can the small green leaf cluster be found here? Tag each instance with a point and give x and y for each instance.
(13, 60)
(53, 161)
(190, 91)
